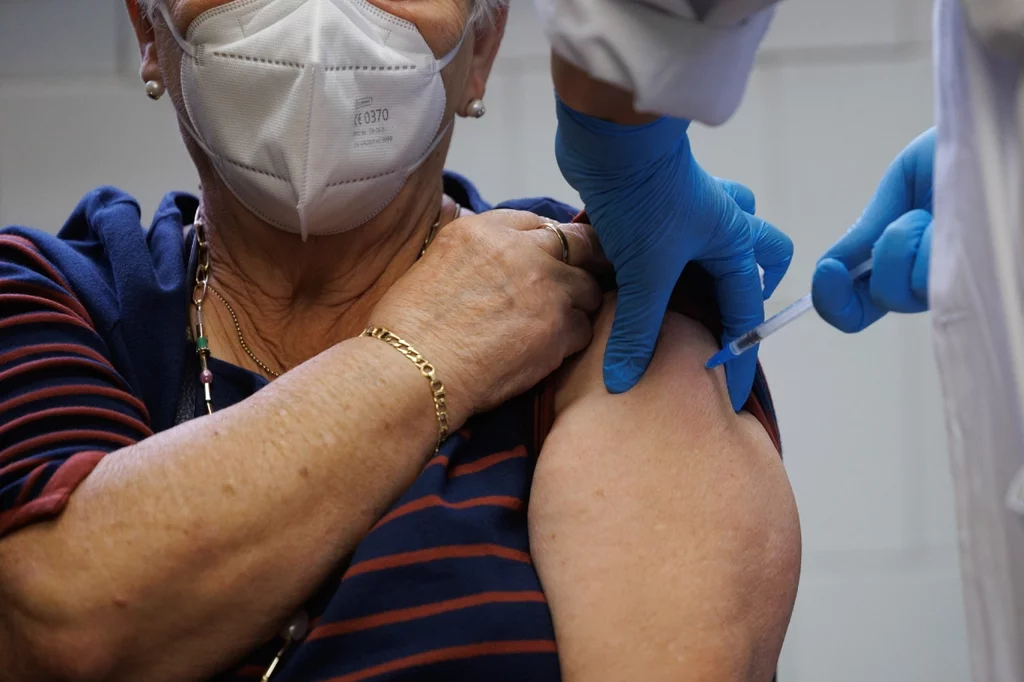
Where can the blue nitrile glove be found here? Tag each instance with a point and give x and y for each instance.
(897, 225)
(654, 210)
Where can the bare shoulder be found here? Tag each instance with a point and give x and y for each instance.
(663, 526)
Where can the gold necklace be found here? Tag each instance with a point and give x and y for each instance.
(241, 337)
(299, 624)
(238, 327)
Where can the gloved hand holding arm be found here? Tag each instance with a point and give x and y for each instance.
(655, 209)
(896, 227)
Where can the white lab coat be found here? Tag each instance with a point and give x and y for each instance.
(685, 58)
(691, 59)
(977, 297)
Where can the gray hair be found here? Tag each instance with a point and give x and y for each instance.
(484, 11)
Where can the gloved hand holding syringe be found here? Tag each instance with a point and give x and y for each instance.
(776, 322)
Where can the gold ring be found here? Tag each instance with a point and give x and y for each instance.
(561, 237)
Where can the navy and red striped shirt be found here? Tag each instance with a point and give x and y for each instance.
(94, 357)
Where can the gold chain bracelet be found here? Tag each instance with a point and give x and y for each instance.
(426, 369)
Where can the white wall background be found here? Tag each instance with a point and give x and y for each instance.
(839, 89)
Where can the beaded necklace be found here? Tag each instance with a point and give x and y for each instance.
(299, 624)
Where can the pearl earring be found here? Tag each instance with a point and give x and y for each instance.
(154, 89)
(476, 108)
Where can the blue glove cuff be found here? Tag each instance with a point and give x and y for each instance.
(604, 142)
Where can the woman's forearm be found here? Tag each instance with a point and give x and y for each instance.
(180, 553)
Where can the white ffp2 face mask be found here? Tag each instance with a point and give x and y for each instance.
(314, 112)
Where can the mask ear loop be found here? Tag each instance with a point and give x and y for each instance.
(184, 119)
(182, 43)
(191, 52)
(448, 58)
(442, 63)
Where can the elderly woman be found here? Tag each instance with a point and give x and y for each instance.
(318, 423)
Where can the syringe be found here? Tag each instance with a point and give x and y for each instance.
(773, 324)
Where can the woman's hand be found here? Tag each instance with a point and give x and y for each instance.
(490, 303)
(494, 308)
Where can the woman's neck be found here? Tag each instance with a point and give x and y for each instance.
(294, 299)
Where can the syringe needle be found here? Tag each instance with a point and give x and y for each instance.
(780, 320)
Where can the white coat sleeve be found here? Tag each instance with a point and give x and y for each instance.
(685, 58)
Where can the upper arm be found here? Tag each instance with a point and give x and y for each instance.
(63, 407)
(662, 523)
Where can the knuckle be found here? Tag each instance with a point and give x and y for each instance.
(536, 279)
(892, 240)
(786, 243)
(744, 242)
(455, 234)
(901, 229)
(908, 226)
(581, 236)
(516, 219)
(563, 298)
(920, 215)
(581, 231)
(557, 308)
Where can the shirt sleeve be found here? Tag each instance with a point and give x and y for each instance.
(685, 58)
(63, 405)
